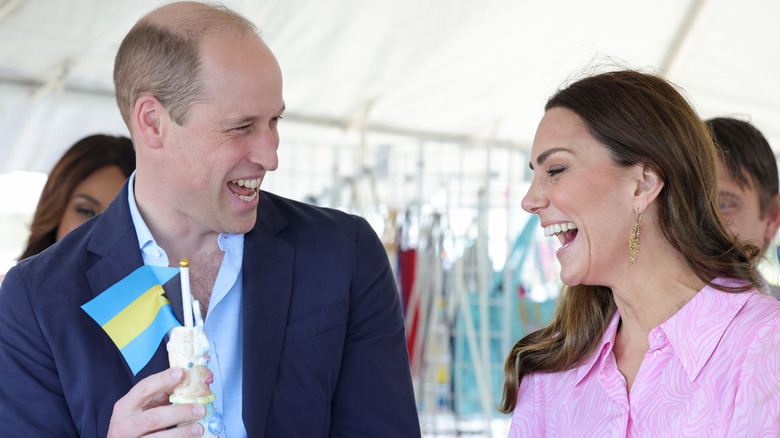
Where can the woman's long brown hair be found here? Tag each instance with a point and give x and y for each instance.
(639, 118)
(81, 160)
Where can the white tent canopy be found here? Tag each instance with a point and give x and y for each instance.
(472, 71)
(450, 88)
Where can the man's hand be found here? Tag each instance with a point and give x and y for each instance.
(146, 411)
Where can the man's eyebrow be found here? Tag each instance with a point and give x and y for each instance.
(545, 155)
(239, 121)
(248, 119)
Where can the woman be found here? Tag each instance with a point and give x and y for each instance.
(81, 185)
(660, 330)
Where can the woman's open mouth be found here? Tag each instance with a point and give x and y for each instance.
(565, 233)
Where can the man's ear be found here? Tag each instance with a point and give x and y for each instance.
(772, 216)
(149, 118)
(647, 187)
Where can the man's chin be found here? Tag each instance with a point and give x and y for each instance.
(242, 226)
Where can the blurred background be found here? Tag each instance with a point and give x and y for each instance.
(419, 116)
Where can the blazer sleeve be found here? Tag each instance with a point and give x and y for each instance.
(31, 395)
(374, 394)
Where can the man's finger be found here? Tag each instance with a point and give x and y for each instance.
(147, 390)
(163, 417)
(146, 394)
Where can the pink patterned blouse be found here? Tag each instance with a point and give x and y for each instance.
(712, 370)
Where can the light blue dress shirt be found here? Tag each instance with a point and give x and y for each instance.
(223, 322)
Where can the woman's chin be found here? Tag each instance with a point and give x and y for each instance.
(570, 278)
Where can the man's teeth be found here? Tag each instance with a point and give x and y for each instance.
(248, 198)
(552, 230)
(251, 183)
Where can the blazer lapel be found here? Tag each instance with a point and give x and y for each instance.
(267, 288)
(115, 242)
(172, 290)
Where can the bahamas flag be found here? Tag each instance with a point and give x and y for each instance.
(135, 314)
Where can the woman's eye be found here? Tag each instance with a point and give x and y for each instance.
(555, 170)
(85, 211)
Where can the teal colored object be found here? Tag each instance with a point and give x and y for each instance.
(525, 315)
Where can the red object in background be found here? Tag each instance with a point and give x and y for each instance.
(407, 264)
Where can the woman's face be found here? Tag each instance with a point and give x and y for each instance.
(581, 197)
(91, 197)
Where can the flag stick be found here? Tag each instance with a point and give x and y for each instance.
(186, 297)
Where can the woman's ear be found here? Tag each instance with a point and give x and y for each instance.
(648, 186)
(149, 120)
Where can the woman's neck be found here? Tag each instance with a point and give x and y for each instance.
(655, 291)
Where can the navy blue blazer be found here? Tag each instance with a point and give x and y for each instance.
(324, 347)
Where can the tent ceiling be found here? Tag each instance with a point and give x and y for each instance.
(434, 68)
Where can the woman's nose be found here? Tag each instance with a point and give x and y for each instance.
(534, 200)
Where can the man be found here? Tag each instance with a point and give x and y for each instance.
(748, 183)
(301, 309)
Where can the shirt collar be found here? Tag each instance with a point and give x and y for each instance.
(145, 237)
(696, 329)
(693, 332)
(598, 356)
(153, 254)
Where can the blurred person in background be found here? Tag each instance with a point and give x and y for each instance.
(82, 184)
(747, 184)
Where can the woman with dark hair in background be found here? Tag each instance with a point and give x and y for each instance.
(81, 185)
(660, 330)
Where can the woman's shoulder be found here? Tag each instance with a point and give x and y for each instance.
(756, 326)
(758, 308)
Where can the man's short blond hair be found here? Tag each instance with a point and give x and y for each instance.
(161, 57)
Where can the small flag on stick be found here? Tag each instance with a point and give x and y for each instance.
(135, 314)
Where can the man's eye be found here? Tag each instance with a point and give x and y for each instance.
(727, 204)
(241, 128)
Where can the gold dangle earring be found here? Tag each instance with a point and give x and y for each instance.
(633, 240)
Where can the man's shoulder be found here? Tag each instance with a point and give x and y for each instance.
(76, 251)
(307, 214)
(66, 255)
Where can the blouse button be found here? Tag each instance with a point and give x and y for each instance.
(656, 353)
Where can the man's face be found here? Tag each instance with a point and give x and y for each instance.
(216, 161)
(740, 207)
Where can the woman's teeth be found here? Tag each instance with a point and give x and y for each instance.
(552, 230)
